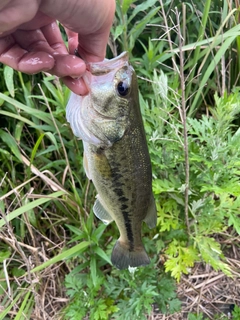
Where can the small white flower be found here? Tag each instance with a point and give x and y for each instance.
(132, 269)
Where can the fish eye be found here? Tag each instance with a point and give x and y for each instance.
(123, 88)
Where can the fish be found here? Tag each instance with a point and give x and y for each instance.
(116, 157)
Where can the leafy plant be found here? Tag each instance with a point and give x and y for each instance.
(236, 312)
(123, 294)
(213, 202)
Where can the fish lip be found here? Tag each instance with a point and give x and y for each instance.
(106, 66)
(87, 80)
(103, 67)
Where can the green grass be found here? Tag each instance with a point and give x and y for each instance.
(52, 248)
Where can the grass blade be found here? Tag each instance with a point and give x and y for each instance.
(63, 255)
(209, 71)
(12, 215)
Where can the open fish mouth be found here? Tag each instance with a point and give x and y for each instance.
(107, 65)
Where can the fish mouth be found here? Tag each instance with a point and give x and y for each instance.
(106, 66)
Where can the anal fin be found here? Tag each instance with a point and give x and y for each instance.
(151, 217)
(101, 213)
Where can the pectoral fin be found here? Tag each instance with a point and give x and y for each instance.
(85, 166)
(151, 217)
(101, 213)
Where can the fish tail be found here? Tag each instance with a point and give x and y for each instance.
(122, 257)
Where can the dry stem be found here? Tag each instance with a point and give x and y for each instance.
(183, 112)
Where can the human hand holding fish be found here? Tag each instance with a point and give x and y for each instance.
(31, 41)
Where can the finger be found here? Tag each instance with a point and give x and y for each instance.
(68, 65)
(92, 48)
(15, 12)
(76, 85)
(32, 40)
(53, 36)
(20, 59)
(50, 41)
(72, 40)
(40, 20)
(3, 3)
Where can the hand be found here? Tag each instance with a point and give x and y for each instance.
(30, 39)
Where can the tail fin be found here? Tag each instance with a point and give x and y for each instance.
(122, 257)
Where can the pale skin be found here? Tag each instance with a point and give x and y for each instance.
(31, 41)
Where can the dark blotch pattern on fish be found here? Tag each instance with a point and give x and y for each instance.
(117, 184)
(118, 191)
(123, 199)
(124, 206)
(128, 229)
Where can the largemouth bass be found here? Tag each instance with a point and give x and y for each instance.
(116, 157)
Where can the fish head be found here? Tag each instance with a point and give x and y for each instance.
(102, 117)
(110, 85)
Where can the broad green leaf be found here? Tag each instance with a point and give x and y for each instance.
(98, 232)
(53, 139)
(142, 7)
(93, 270)
(102, 255)
(126, 4)
(11, 143)
(118, 31)
(8, 77)
(56, 91)
(139, 27)
(4, 255)
(38, 142)
(79, 248)
(35, 148)
(211, 252)
(180, 258)
(18, 131)
(234, 221)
